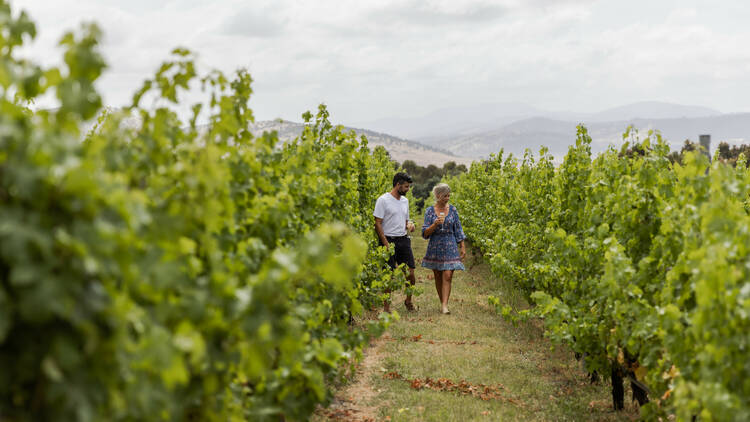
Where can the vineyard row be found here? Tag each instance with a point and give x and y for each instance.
(640, 265)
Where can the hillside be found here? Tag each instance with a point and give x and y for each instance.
(399, 149)
(454, 120)
(480, 130)
(476, 119)
(557, 135)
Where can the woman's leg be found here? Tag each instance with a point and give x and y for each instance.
(439, 283)
(447, 280)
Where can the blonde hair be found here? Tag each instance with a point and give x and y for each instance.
(440, 189)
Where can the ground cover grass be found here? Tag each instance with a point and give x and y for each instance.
(509, 372)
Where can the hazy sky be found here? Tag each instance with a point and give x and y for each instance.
(369, 60)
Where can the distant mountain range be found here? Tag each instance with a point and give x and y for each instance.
(399, 149)
(465, 134)
(478, 131)
(454, 120)
(557, 135)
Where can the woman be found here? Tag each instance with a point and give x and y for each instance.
(443, 228)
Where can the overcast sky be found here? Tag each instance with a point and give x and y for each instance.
(369, 60)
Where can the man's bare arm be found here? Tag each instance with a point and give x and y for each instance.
(380, 232)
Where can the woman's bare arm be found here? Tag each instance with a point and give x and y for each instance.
(431, 229)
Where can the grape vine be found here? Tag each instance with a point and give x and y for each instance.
(638, 264)
(168, 270)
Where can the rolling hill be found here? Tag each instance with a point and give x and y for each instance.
(399, 149)
(476, 132)
(557, 135)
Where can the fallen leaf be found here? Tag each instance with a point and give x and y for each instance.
(392, 375)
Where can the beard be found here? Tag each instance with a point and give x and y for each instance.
(403, 191)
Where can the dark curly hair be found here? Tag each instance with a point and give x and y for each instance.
(401, 177)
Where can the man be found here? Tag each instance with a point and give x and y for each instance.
(391, 224)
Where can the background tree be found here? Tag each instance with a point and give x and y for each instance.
(730, 154)
(425, 178)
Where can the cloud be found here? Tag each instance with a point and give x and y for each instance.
(387, 58)
(425, 13)
(254, 23)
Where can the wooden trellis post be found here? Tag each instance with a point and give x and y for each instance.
(705, 142)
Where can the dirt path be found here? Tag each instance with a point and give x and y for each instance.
(470, 365)
(354, 402)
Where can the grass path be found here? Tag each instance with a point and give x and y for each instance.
(509, 372)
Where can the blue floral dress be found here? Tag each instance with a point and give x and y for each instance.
(442, 250)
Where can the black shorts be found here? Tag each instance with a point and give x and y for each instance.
(402, 254)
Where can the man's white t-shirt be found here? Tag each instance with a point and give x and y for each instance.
(394, 213)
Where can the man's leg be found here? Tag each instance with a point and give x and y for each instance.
(413, 281)
(392, 264)
(407, 257)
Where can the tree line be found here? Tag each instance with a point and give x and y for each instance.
(426, 177)
(726, 153)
